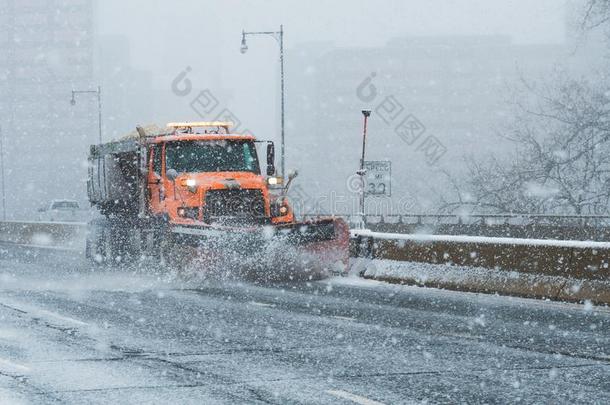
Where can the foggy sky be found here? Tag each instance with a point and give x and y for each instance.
(181, 27)
(166, 36)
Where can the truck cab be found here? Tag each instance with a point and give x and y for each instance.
(214, 178)
(193, 173)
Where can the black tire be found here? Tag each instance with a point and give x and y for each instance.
(94, 246)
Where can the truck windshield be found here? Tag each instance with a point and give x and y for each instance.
(211, 156)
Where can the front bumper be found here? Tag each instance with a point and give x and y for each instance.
(321, 244)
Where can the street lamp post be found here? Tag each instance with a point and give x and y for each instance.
(2, 174)
(279, 37)
(362, 171)
(98, 92)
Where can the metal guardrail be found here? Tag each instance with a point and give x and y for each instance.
(477, 219)
(482, 240)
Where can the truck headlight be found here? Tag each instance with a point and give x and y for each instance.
(191, 184)
(274, 181)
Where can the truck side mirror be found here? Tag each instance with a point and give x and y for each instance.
(171, 174)
(270, 159)
(292, 174)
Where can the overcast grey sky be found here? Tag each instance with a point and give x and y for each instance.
(170, 32)
(166, 36)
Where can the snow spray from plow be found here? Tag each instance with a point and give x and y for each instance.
(291, 252)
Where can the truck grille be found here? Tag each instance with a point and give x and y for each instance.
(191, 212)
(234, 205)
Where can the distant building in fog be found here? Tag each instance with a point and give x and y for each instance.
(46, 50)
(454, 89)
(128, 91)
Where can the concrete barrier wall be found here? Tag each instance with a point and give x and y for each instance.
(583, 263)
(59, 235)
(532, 268)
(579, 259)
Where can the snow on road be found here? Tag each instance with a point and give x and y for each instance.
(77, 335)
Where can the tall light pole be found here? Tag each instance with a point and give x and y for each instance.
(2, 174)
(362, 171)
(279, 37)
(98, 92)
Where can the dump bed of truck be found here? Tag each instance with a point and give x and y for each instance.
(114, 175)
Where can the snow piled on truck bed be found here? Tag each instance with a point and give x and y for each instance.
(151, 129)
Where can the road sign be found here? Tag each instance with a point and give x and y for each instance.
(378, 177)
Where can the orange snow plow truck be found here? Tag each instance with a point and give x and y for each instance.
(194, 196)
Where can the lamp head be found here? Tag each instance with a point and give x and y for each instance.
(244, 46)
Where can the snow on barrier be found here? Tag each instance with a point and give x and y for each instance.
(53, 235)
(558, 269)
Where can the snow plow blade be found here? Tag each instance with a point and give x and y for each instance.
(302, 250)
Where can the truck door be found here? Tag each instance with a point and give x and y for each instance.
(155, 184)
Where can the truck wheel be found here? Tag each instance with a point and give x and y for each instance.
(167, 255)
(107, 248)
(94, 246)
(174, 256)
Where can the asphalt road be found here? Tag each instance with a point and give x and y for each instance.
(71, 334)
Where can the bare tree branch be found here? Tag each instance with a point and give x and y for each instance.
(562, 160)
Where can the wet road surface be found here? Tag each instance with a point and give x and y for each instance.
(73, 334)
